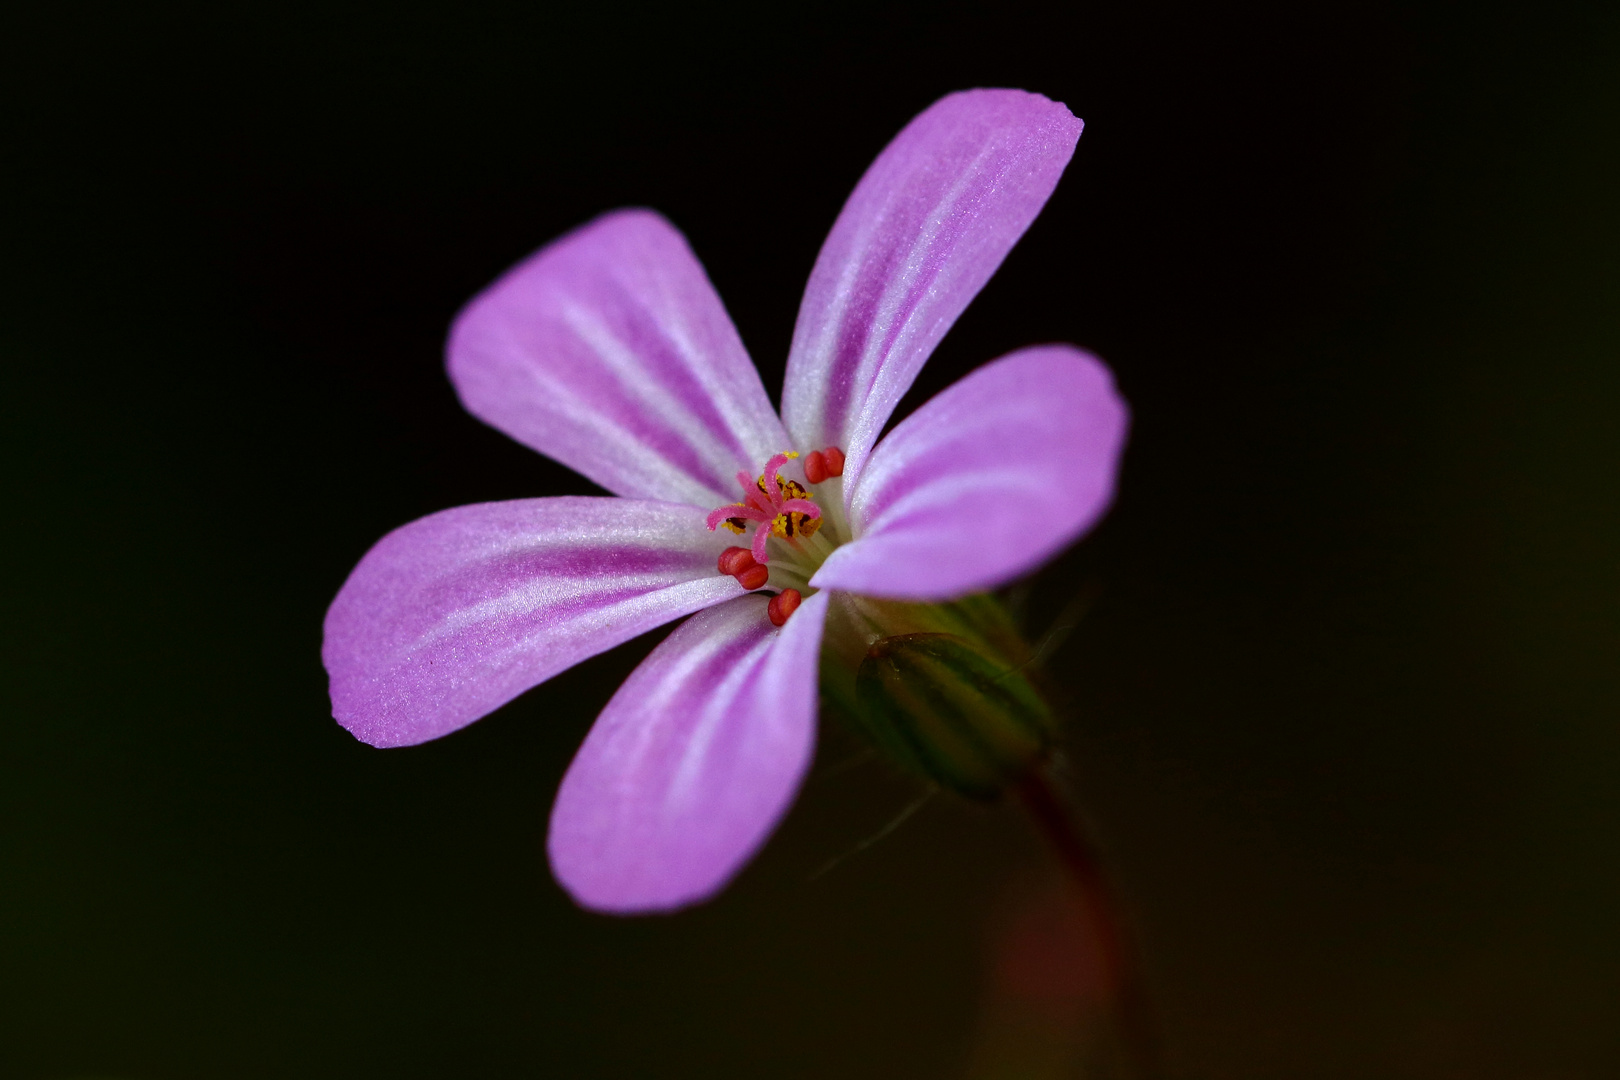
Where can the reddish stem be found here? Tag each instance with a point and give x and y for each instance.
(1080, 858)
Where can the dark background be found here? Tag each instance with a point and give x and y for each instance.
(1345, 710)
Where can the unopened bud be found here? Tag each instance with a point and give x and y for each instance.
(946, 708)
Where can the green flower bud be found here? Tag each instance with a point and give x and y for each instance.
(952, 709)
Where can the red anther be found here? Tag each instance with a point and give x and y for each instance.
(815, 467)
(753, 577)
(835, 461)
(734, 560)
(782, 605)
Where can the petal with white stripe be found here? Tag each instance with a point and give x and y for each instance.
(609, 351)
(923, 231)
(452, 616)
(986, 481)
(693, 762)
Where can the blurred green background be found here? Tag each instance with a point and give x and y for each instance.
(1346, 707)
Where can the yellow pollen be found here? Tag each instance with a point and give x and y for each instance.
(790, 489)
(794, 525)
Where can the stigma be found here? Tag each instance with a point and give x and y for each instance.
(776, 505)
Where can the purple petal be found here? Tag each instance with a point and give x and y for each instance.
(609, 351)
(986, 481)
(925, 228)
(450, 617)
(692, 763)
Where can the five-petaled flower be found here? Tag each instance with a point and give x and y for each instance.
(609, 351)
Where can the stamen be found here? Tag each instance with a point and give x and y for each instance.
(799, 518)
(821, 465)
(734, 560)
(782, 605)
(754, 577)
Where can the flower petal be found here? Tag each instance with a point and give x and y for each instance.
(986, 481)
(692, 763)
(927, 225)
(609, 351)
(450, 617)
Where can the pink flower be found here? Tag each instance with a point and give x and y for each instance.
(609, 351)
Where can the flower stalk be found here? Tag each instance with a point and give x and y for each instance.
(1121, 979)
(956, 703)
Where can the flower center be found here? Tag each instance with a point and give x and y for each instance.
(789, 543)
